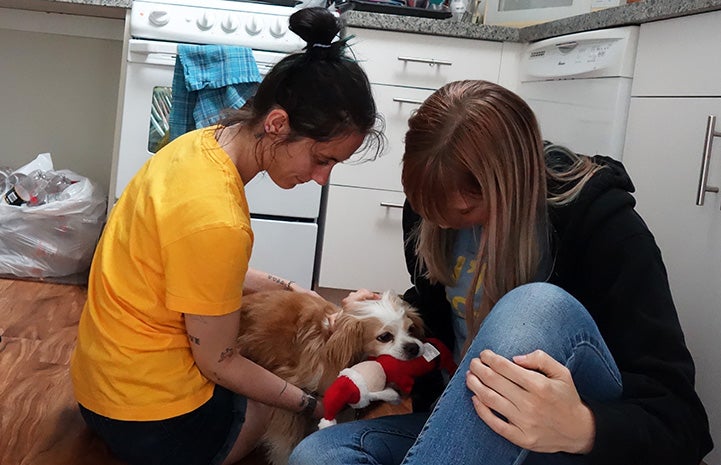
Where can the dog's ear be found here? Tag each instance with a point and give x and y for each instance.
(419, 326)
(345, 345)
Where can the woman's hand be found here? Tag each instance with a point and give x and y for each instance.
(359, 296)
(536, 395)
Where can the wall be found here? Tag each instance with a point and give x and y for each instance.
(59, 78)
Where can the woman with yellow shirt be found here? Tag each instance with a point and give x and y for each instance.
(154, 370)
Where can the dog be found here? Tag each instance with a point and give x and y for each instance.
(307, 341)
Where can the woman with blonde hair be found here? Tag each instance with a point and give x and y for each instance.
(530, 261)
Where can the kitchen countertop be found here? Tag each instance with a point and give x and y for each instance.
(634, 13)
(101, 8)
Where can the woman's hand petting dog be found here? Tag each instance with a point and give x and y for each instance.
(359, 296)
(536, 396)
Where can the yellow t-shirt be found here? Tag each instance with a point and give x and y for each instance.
(178, 241)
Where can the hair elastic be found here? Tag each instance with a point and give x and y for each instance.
(321, 45)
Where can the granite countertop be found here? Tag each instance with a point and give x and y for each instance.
(101, 8)
(634, 13)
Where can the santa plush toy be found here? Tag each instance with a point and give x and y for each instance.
(381, 378)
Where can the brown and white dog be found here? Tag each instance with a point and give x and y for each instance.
(307, 341)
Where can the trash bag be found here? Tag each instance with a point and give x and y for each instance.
(54, 239)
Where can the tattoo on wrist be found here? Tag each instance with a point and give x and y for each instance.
(307, 404)
(226, 354)
(194, 339)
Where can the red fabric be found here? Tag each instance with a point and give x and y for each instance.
(342, 392)
(402, 373)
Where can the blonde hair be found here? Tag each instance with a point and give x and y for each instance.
(481, 140)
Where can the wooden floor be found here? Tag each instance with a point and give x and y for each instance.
(39, 420)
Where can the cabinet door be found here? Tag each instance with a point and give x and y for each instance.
(395, 104)
(363, 241)
(664, 144)
(679, 57)
(419, 60)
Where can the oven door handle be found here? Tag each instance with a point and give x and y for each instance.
(156, 53)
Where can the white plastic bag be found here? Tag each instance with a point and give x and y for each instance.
(54, 239)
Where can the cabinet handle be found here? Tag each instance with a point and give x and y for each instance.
(391, 205)
(428, 61)
(407, 100)
(707, 146)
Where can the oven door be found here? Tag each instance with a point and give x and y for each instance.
(146, 106)
(284, 221)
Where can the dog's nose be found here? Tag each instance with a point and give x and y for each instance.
(411, 349)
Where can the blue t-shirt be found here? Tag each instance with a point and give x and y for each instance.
(465, 264)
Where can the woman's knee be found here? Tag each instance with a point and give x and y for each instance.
(539, 304)
(530, 316)
(308, 451)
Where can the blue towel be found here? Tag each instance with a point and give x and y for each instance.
(208, 79)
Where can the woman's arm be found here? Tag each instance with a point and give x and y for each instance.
(617, 272)
(257, 281)
(212, 342)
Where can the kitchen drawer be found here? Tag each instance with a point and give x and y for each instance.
(363, 241)
(679, 57)
(396, 105)
(417, 60)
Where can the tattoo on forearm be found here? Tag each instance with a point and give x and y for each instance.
(281, 282)
(194, 339)
(226, 354)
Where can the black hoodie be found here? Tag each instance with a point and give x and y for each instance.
(605, 256)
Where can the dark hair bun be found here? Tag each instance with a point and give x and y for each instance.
(315, 25)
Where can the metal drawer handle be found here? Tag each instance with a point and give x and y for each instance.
(407, 100)
(707, 146)
(391, 205)
(428, 61)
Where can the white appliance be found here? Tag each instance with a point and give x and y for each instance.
(579, 87)
(285, 222)
(520, 13)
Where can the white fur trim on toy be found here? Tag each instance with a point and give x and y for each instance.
(323, 423)
(361, 384)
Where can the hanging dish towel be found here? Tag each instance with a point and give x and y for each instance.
(208, 79)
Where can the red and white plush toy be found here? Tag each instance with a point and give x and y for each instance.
(380, 378)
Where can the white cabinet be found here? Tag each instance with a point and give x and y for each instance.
(396, 104)
(367, 248)
(663, 154)
(418, 60)
(363, 236)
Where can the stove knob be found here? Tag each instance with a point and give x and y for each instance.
(159, 18)
(229, 24)
(206, 21)
(277, 30)
(253, 27)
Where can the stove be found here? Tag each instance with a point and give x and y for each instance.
(258, 26)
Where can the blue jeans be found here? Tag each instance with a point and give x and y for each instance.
(533, 316)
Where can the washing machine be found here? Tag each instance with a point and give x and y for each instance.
(579, 86)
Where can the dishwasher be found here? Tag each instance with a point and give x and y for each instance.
(579, 87)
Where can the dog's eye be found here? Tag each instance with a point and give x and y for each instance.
(385, 337)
